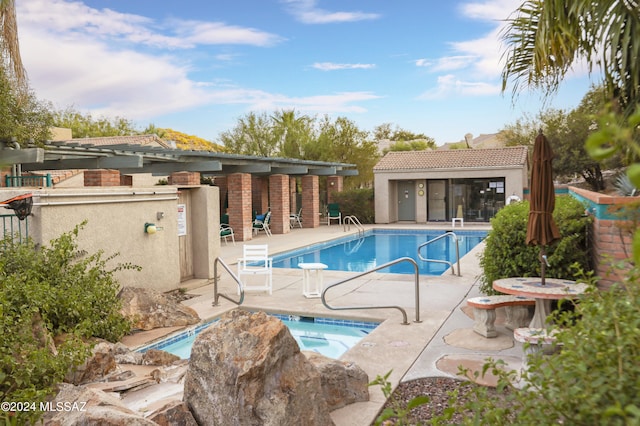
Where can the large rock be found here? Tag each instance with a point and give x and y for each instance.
(343, 383)
(247, 369)
(101, 362)
(172, 414)
(150, 309)
(79, 406)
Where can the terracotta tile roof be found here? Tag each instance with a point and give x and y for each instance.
(142, 140)
(453, 159)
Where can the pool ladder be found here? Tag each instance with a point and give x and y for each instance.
(445, 235)
(216, 277)
(386, 265)
(348, 220)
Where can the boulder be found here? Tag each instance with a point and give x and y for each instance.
(247, 369)
(343, 382)
(158, 357)
(101, 362)
(85, 406)
(173, 413)
(149, 309)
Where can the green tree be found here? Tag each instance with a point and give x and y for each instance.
(25, 119)
(342, 141)
(84, 125)
(292, 132)
(545, 39)
(253, 135)
(413, 145)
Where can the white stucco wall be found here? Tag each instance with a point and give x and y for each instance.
(386, 187)
(115, 224)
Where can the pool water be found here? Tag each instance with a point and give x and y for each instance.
(380, 246)
(329, 337)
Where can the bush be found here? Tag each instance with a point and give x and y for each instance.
(507, 255)
(46, 292)
(593, 380)
(356, 202)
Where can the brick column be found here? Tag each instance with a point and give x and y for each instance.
(310, 201)
(259, 195)
(279, 197)
(239, 187)
(609, 246)
(101, 177)
(334, 184)
(184, 178)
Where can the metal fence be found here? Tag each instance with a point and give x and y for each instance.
(33, 181)
(13, 228)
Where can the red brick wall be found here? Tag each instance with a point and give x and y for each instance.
(101, 177)
(184, 178)
(279, 196)
(310, 201)
(239, 187)
(611, 245)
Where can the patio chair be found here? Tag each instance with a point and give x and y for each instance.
(295, 218)
(262, 225)
(255, 261)
(225, 232)
(334, 213)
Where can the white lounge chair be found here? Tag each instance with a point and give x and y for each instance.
(225, 232)
(262, 225)
(295, 218)
(255, 261)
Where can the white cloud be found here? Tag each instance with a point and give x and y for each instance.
(449, 85)
(306, 11)
(447, 63)
(330, 66)
(491, 10)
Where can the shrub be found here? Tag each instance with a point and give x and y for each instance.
(46, 292)
(593, 380)
(507, 255)
(356, 202)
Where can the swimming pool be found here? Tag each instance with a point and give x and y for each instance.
(327, 336)
(379, 246)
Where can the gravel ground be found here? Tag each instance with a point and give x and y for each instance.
(437, 389)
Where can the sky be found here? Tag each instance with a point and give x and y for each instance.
(196, 66)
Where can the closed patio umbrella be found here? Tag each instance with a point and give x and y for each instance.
(541, 228)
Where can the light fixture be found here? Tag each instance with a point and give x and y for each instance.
(150, 228)
(332, 183)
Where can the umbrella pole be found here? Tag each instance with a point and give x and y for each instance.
(543, 264)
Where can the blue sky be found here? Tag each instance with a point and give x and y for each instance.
(427, 66)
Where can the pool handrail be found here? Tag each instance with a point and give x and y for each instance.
(217, 295)
(351, 219)
(446, 234)
(386, 265)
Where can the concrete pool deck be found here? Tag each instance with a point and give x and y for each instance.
(435, 346)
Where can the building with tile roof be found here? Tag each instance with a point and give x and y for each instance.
(431, 186)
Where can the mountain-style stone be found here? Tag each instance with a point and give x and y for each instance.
(150, 309)
(247, 369)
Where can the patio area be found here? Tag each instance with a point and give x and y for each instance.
(435, 346)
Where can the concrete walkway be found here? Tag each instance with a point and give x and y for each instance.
(435, 346)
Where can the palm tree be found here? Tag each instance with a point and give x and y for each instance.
(545, 38)
(10, 48)
(291, 132)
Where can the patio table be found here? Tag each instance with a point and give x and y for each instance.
(312, 284)
(554, 289)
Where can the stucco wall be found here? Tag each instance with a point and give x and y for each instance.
(386, 194)
(115, 224)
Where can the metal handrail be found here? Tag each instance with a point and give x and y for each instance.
(386, 265)
(217, 295)
(446, 234)
(354, 220)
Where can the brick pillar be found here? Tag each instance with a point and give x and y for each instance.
(293, 192)
(259, 194)
(239, 187)
(310, 201)
(101, 177)
(334, 184)
(184, 178)
(279, 197)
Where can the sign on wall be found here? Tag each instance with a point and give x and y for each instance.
(182, 220)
